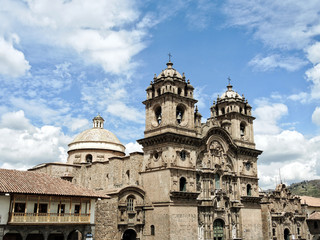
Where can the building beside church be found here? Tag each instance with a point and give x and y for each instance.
(35, 206)
(194, 179)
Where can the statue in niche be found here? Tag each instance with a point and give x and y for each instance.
(216, 152)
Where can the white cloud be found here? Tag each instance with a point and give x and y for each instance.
(313, 74)
(133, 147)
(273, 21)
(313, 53)
(26, 145)
(274, 61)
(302, 97)
(316, 116)
(267, 116)
(13, 62)
(107, 33)
(296, 156)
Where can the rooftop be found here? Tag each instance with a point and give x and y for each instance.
(25, 182)
(310, 201)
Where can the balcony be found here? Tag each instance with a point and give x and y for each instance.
(48, 218)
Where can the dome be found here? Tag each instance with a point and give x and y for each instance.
(230, 93)
(169, 72)
(97, 138)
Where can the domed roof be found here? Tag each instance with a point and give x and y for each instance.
(96, 135)
(170, 72)
(97, 138)
(230, 93)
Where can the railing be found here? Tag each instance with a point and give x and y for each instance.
(49, 218)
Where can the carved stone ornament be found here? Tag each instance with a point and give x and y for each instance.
(216, 149)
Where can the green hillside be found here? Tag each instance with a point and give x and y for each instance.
(306, 188)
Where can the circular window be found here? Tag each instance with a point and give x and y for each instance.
(183, 155)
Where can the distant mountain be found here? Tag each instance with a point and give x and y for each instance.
(306, 188)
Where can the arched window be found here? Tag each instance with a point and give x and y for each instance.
(130, 203)
(315, 225)
(286, 234)
(248, 190)
(128, 175)
(222, 111)
(152, 230)
(273, 232)
(183, 155)
(89, 158)
(179, 91)
(183, 184)
(158, 113)
(179, 114)
(159, 92)
(242, 129)
(217, 180)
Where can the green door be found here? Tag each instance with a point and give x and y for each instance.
(218, 227)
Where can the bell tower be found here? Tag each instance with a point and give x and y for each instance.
(170, 146)
(170, 104)
(233, 112)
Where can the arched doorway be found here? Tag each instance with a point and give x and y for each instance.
(286, 234)
(12, 236)
(56, 236)
(218, 230)
(129, 234)
(75, 235)
(35, 236)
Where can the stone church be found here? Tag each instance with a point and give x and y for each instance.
(194, 180)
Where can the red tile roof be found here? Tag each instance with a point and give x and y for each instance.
(310, 201)
(314, 216)
(25, 182)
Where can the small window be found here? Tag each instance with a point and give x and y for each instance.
(248, 166)
(217, 181)
(61, 208)
(179, 114)
(19, 207)
(315, 225)
(159, 92)
(183, 155)
(156, 155)
(89, 158)
(273, 232)
(43, 208)
(298, 230)
(152, 230)
(76, 209)
(222, 111)
(130, 206)
(183, 184)
(158, 114)
(248, 190)
(242, 129)
(179, 91)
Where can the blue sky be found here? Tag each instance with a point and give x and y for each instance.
(62, 62)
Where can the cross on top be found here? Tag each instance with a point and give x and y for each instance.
(229, 80)
(169, 57)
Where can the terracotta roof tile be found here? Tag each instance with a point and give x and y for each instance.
(310, 201)
(314, 216)
(25, 182)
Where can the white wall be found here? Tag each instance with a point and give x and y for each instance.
(4, 209)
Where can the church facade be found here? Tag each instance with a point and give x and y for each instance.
(194, 179)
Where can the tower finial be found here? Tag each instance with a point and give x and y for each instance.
(229, 80)
(169, 57)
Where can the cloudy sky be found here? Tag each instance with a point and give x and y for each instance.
(64, 61)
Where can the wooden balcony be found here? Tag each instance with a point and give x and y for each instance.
(48, 218)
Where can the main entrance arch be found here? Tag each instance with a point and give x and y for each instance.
(218, 230)
(129, 234)
(286, 234)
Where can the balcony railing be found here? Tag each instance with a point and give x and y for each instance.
(49, 218)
